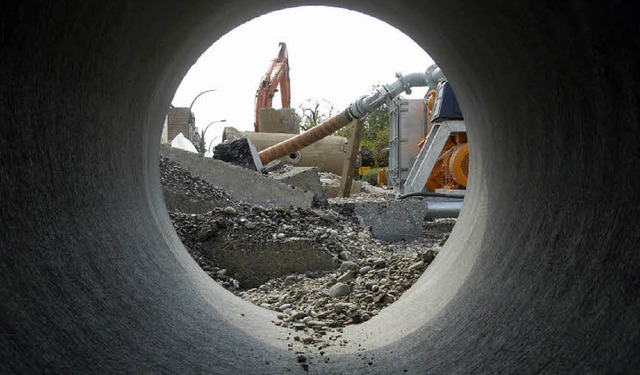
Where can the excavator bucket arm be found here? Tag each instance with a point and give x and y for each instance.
(276, 75)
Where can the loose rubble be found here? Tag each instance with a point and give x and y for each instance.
(350, 295)
(184, 192)
(365, 275)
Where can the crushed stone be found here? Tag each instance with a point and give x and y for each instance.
(369, 274)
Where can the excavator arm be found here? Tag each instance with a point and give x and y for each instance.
(276, 75)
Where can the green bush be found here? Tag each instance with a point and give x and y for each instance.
(371, 176)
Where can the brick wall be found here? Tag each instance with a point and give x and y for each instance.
(179, 120)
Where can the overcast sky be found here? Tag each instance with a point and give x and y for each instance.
(334, 54)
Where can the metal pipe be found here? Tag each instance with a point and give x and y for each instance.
(357, 110)
(305, 139)
(433, 75)
(439, 206)
(441, 209)
(366, 104)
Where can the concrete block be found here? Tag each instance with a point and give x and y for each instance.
(242, 184)
(240, 152)
(284, 120)
(305, 178)
(256, 264)
(392, 220)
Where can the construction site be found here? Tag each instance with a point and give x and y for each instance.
(278, 219)
(499, 236)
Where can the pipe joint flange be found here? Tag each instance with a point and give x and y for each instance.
(405, 83)
(383, 95)
(357, 109)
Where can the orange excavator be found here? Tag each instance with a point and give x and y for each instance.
(276, 75)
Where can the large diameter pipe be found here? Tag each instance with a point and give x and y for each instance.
(305, 139)
(357, 110)
(328, 154)
(540, 273)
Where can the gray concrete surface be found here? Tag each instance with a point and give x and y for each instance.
(540, 274)
(259, 263)
(392, 220)
(305, 178)
(187, 204)
(281, 120)
(243, 184)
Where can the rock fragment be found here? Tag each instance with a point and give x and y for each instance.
(230, 210)
(418, 266)
(339, 290)
(345, 277)
(348, 266)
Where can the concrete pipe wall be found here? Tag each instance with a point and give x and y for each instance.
(539, 275)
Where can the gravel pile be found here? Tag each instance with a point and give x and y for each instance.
(243, 226)
(352, 294)
(368, 275)
(181, 188)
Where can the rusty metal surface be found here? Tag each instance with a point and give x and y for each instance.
(305, 139)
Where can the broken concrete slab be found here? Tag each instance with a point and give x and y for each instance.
(333, 190)
(256, 264)
(305, 178)
(392, 220)
(240, 152)
(242, 184)
(186, 204)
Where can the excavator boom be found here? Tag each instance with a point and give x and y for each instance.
(276, 75)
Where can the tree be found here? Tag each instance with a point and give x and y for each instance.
(314, 112)
(201, 146)
(375, 133)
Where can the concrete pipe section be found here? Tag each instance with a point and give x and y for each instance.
(541, 273)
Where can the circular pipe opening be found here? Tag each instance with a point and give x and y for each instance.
(293, 158)
(93, 276)
(240, 272)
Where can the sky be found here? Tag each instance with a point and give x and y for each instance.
(335, 55)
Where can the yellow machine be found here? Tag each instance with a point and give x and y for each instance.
(452, 167)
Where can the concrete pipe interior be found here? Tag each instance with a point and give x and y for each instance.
(540, 274)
